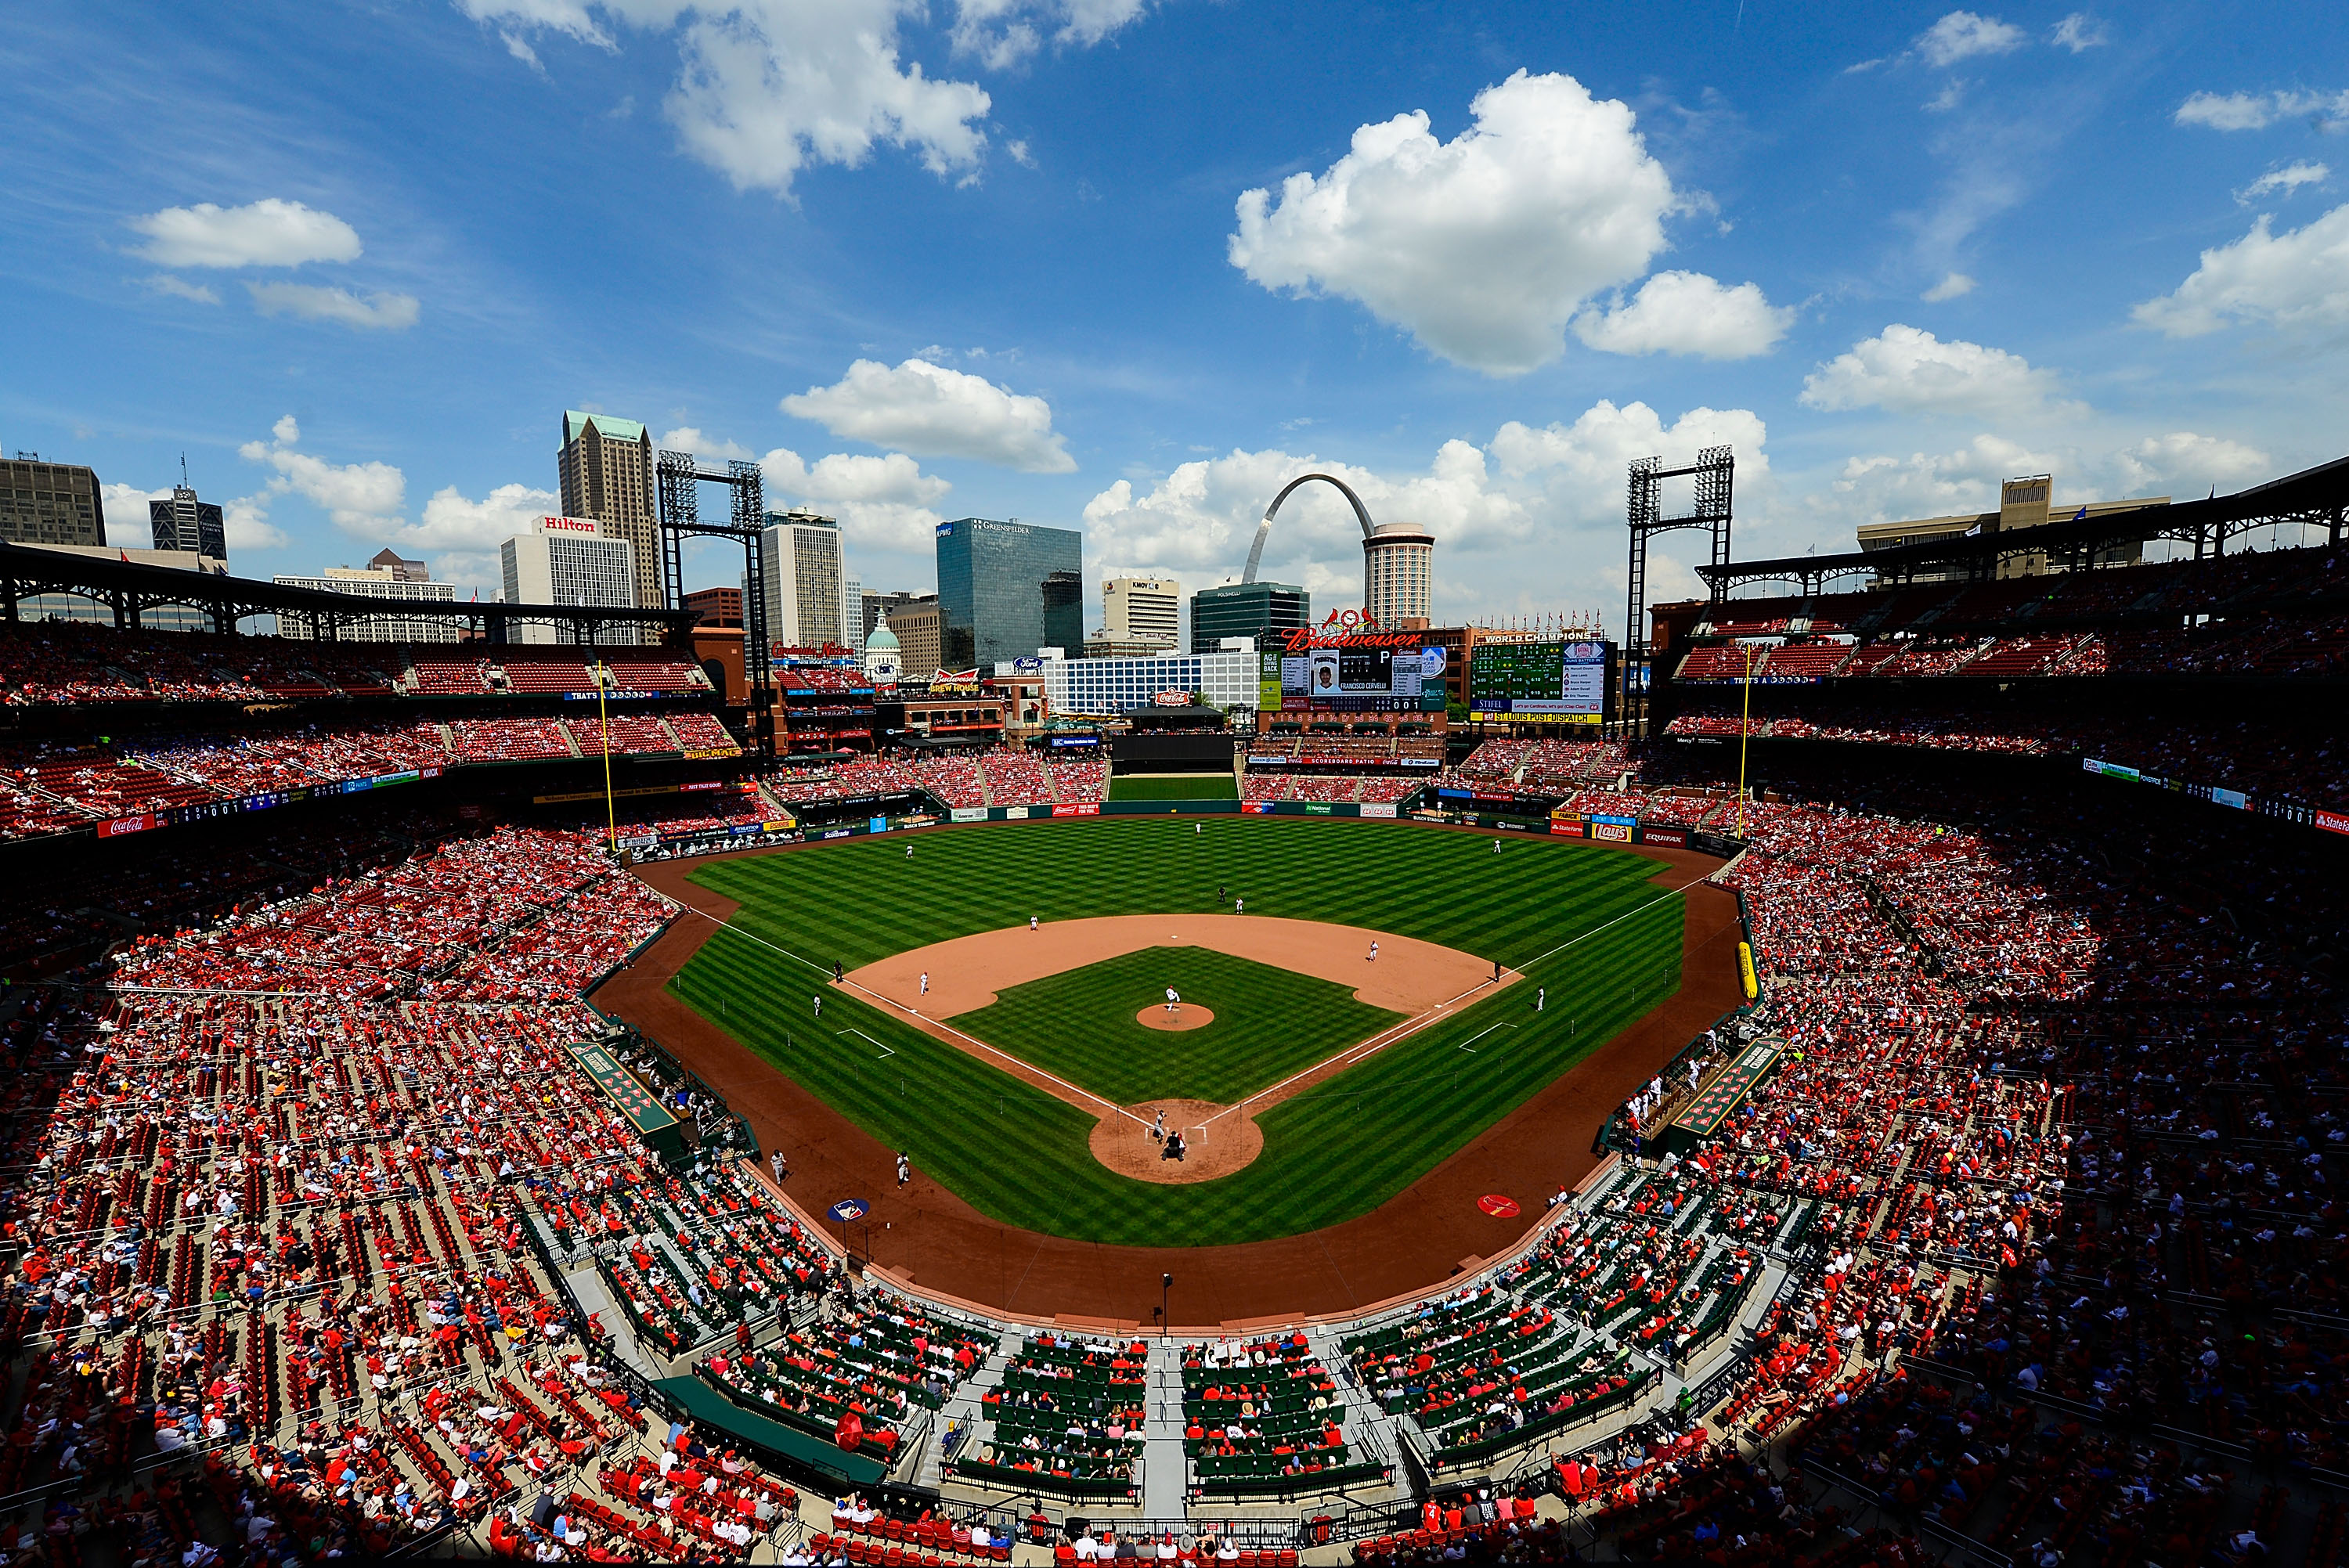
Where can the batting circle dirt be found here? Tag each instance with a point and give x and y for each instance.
(1218, 1140)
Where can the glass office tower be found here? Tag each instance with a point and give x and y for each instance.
(1005, 589)
(1259, 609)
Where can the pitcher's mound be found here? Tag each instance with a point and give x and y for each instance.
(1186, 1015)
(1213, 1148)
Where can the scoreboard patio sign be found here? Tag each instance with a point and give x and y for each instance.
(659, 1130)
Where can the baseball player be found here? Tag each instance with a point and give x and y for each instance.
(1172, 1001)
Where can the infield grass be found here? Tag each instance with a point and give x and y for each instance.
(1174, 787)
(1269, 1023)
(1582, 921)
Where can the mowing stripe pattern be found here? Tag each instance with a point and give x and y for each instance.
(1336, 1151)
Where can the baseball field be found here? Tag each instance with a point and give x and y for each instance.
(995, 1055)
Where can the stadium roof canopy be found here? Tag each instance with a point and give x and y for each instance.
(131, 588)
(2318, 496)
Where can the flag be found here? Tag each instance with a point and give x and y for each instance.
(2081, 515)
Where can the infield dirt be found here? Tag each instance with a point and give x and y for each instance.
(1413, 1243)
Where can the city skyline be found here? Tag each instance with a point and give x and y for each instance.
(1892, 256)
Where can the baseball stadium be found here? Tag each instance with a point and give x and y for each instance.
(775, 1114)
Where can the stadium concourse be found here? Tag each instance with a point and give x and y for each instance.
(337, 1219)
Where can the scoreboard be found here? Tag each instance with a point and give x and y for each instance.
(1541, 683)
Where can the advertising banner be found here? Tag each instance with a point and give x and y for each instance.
(2332, 822)
(1256, 807)
(1608, 832)
(1015, 813)
(1378, 809)
(1087, 808)
(122, 825)
(1674, 837)
(876, 824)
(2234, 798)
(1567, 830)
(968, 814)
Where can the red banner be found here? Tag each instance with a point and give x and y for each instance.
(2332, 822)
(1567, 830)
(1087, 809)
(1256, 807)
(120, 825)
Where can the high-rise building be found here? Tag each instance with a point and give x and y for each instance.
(1141, 609)
(1260, 610)
(879, 607)
(804, 579)
(851, 609)
(566, 561)
(185, 523)
(607, 475)
(715, 607)
(1399, 575)
(374, 582)
(1008, 589)
(917, 627)
(399, 566)
(50, 504)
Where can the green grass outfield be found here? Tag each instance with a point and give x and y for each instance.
(1080, 1025)
(1579, 918)
(1174, 787)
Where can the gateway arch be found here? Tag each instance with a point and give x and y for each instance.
(1264, 529)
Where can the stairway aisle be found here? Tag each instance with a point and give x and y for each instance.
(968, 1408)
(1165, 1472)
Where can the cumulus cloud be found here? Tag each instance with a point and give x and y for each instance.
(933, 411)
(1908, 370)
(1483, 247)
(883, 503)
(265, 233)
(357, 497)
(2257, 111)
(1886, 488)
(2300, 278)
(1687, 312)
(2287, 180)
(686, 438)
(1002, 33)
(2079, 33)
(1530, 518)
(310, 302)
(1954, 287)
(767, 87)
(126, 514)
(1962, 35)
(180, 288)
(245, 523)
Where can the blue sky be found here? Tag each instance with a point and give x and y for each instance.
(1128, 264)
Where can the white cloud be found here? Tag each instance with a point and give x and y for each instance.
(2257, 111)
(1908, 370)
(2288, 178)
(2079, 33)
(1956, 285)
(1531, 520)
(126, 514)
(2182, 462)
(359, 497)
(1962, 35)
(2297, 279)
(686, 438)
(309, 301)
(1002, 33)
(453, 521)
(883, 503)
(265, 233)
(936, 412)
(1485, 246)
(1953, 93)
(768, 86)
(180, 288)
(246, 522)
(1687, 312)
